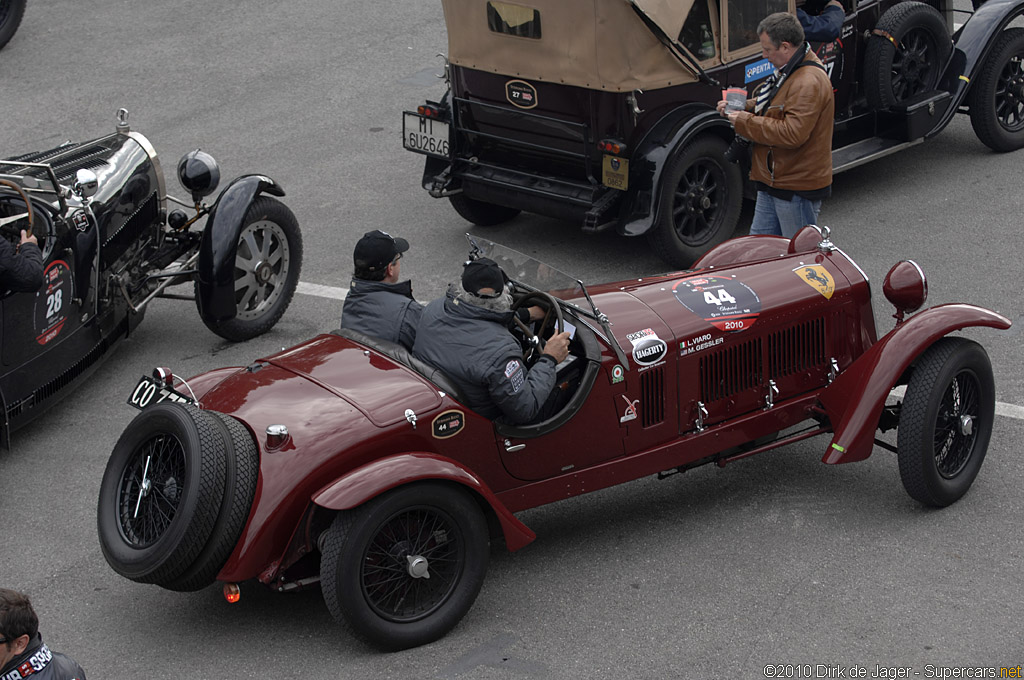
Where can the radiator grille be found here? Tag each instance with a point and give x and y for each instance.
(731, 370)
(796, 349)
(652, 397)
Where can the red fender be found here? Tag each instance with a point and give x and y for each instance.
(854, 402)
(373, 479)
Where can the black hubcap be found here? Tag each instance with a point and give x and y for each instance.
(1010, 96)
(913, 66)
(698, 201)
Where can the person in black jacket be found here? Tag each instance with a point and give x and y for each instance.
(466, 335)
(23, 653)
(377, 303)
(21, 267)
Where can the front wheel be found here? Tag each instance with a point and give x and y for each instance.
(701, 197)
(946, 421)
(405, 568)
(267, 265)
(997, 95)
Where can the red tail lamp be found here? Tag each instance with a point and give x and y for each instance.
(428, 111)
(232, 593)
(612, 146)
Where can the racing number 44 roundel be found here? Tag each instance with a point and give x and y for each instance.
(722, 301)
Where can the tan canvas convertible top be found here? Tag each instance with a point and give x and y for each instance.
(598, 44)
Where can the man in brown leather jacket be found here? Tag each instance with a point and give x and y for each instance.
(789, 121)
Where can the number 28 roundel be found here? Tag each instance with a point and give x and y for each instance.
(722, 301)
(52, 302)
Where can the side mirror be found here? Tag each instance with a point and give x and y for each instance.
(85, 185)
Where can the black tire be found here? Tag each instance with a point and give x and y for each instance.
(946, 421)
(701, 197)
(894, 75)
(153, 536)
(384, 536)
(996, 99)
(479, 213)
(11, 12)
(242, 467)
(267, 267)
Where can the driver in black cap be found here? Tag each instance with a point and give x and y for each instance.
(466, 335)
(377, 304)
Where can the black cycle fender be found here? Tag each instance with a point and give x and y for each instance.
(215, 276)
(654, 152)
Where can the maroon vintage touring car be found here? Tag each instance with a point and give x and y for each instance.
(346, 461)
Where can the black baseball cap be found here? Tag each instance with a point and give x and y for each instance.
(376, 249)
(483, 273)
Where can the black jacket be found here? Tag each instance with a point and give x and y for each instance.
(383, 310)
(474, 347)
(21, 270)
(39, 663)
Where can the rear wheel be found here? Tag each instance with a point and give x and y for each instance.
(405, 568)
(161, 493)
(997, 95)
(267, 265)
(701, 197)
(479, 213)
(911, 62)
(946, 421)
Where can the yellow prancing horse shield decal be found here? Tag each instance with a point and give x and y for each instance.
(816, 276)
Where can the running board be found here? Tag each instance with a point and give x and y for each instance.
(865, 151)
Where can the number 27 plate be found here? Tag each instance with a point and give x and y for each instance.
(149, 391)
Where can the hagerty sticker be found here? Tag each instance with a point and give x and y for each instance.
(725, 303)
(648, 348)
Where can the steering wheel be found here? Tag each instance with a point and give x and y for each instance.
(534, 345)
(28, 206)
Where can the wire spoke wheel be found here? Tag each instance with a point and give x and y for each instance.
(412, 564)
(150, 490)
(954, 427)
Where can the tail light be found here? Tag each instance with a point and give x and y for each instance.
(428, 110)
(232, 593)
(612, 146)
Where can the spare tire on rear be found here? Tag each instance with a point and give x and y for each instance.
(905, 54)
(161, 493)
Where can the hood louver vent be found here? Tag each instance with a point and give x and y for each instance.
(652, 396)
(731, 370)
(796, 349)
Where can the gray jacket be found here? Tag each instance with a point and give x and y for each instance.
(383, 310)
(474, 347)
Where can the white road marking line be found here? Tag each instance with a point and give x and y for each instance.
(321, 291)
(334, 293)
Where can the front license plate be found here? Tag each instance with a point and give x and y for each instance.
(149, 391)
(425, 135)
(615, 172)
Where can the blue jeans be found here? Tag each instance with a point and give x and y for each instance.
(781, 217)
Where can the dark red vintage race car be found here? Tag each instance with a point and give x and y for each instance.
(346, 461)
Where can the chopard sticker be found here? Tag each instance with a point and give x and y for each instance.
(698, 344)
(722, 301)
(448, 424)
(618, 375)
(630, 412)
(520, 93)
(514, 372)
(52, 301)
(818, 278)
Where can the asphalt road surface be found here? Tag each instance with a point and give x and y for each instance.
(716, 573)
